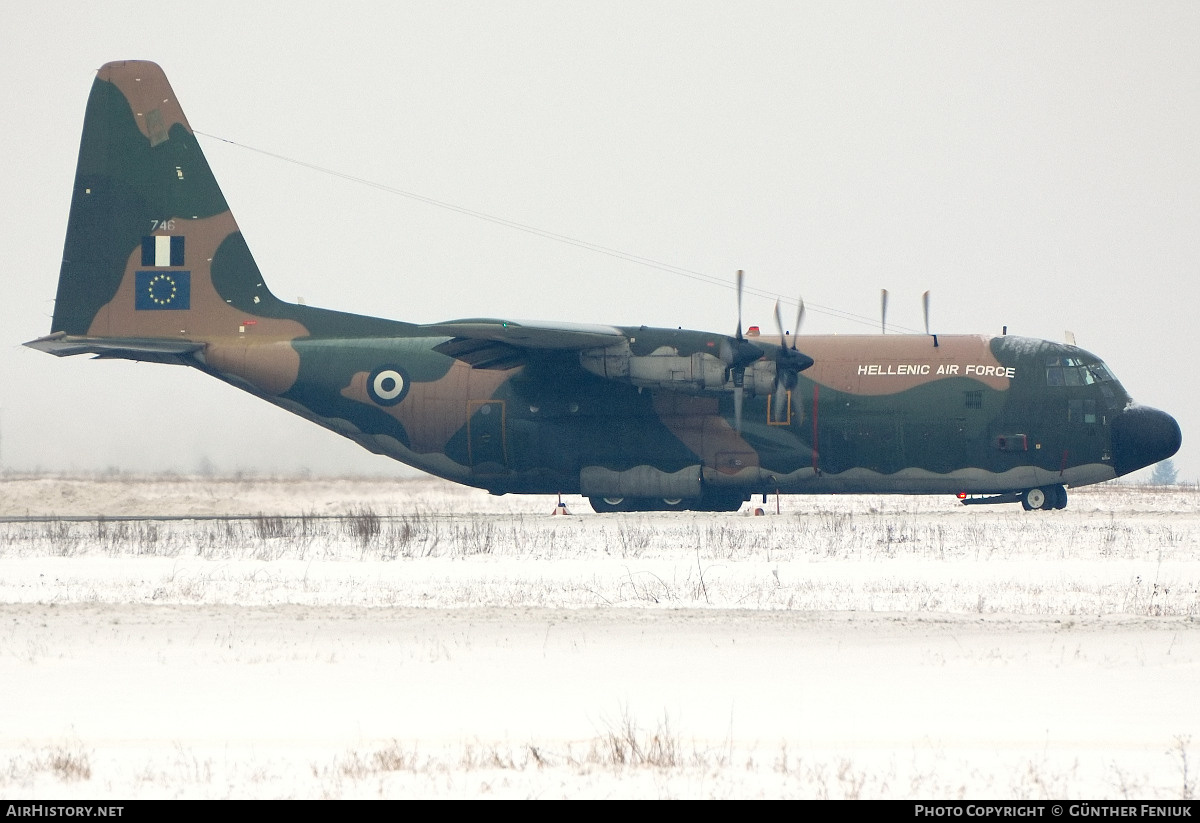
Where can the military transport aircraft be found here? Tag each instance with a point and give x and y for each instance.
(635, 418)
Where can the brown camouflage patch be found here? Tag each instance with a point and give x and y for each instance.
(150, 97)
(210, 317)
(697, 424)
(433, 412)
(860, 364)
(272, 367)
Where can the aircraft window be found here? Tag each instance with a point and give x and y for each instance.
(1110, 397)
(1071, 371)
(1081, 411)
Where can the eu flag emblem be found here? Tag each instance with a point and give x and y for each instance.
(156, 290)
(162, 250)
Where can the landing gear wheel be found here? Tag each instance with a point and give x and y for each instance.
(1044, 498)
(712, 502)
(604, 505)
(1033, 500)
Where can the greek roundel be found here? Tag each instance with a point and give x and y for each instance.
(387, 386)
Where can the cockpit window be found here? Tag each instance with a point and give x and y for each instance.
(1054, 371)
(1071, 371)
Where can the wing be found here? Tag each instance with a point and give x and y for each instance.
(672, 359)
(488, 343)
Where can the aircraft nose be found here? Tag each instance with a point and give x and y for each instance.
(1142, 436)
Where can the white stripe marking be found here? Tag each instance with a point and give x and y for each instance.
(162, 251)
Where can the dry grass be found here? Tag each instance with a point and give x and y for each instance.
(65, 763)
(872, 554)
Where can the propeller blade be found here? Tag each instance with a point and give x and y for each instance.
(739, 352)
(781, 370)
(883, 311)
(778, 403)
(799, 320)
(738, 391)
(925, 305)
(740, 277)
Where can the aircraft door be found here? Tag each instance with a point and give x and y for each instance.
(873, 440)
(486, 446)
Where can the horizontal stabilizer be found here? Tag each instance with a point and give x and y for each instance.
(129, 348)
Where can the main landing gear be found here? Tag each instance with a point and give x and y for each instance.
(710, 502)
(1044, 498)
(1040, 499)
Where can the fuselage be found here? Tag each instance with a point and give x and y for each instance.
(880, 414)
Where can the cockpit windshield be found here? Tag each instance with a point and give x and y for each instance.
(1072, 371)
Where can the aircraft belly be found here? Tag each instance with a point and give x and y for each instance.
(641, 481)
(922, 481)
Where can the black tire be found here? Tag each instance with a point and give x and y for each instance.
(712, 502)
(1044, 498)
(1034, 499)
(607, 505)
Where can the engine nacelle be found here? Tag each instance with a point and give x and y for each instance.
(666, 368)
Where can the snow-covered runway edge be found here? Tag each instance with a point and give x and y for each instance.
(380, 638)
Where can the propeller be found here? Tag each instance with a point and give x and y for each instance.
(789, 363)
(737, 355)
(883, 311)
(739, 372)
(741, 278)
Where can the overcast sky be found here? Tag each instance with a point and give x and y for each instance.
(1035, 165)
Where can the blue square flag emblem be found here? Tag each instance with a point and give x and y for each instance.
(158, 290)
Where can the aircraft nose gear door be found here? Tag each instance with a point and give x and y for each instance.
(485, 437)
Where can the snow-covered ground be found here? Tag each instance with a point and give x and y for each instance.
(358, 638)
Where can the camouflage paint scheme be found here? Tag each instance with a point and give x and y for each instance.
(155, 268)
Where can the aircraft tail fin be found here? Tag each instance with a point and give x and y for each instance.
(152, 251)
